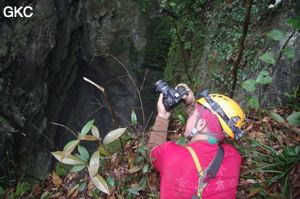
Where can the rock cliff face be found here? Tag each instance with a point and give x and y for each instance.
(42, 62)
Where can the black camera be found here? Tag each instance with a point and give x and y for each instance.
(172, 97)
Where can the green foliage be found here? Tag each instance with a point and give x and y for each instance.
(80, 161)
(2, 191)
(133, 118)
(62, 169)
(263, 78)
(289, 53)
(268, 57)
(2, 119)
(277, 35)
(252, 102)
(294, 22)
(276, 116)
(21, 189)
(182, 141)
(275, 162)
(249, 85)
(294, 119)
(87, 128)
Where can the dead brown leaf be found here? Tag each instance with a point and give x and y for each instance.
(57, 181)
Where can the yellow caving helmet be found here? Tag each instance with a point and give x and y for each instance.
(229, 113)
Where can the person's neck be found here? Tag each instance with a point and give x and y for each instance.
(199, 138)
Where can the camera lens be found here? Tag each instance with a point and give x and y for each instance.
(161, 86)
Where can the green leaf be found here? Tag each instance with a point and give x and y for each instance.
(94, 163)
(294, 119)
(69, 148)
(139, 159)
(145, 168)
(181, 119)
(80, 157)
(143, 182)
(142, 150)
(89, 138)
(263, 78)
(134, 169)
(2, 191)
(83, 152)
(133, 118)
(268, 57)
(277, 35)
(113, 135)
(276, 117)
(134, 191)
(2, 119)
(249, 85)
(66, 159)
(77, 168)
(100, 183)
(294, 22)
(182, 141)
(95, 132)
(87, 127)
(252, 102)
(289, 53)
(45, 195)
(82, 186)
(110, 180)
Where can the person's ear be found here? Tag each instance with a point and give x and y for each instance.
(201, 125)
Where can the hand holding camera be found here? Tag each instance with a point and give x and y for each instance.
(172, 97)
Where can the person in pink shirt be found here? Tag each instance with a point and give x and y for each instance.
(211, 119)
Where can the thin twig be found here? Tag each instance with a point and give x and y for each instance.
(134, 84)
(57, 124)
(106, 97)
(144, 80)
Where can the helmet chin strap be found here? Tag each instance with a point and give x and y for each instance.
(211, 136)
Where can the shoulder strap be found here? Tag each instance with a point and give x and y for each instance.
(214, 166)
(210, 172)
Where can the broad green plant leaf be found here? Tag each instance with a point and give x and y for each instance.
(263, 78)
(268, 57)
(289, 53)
(133, 118)
(134, 191)
(87, 127)
(82, 186)
(249, 85)
(182, 141)
(66, 159)
(143, 182)
(83, 152)
(145, 168)
(80, 157)
(277, 35)
(69, 148)
(95, 132)
(294, 22)
(113, 135)
(294, 119)
(94, 164)
(100, 183)
(134, 169)
(252, 102)
(88, 138)
(77, 168)
(110, 180)
(276, 116)
(104, 152)
(139, 159)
